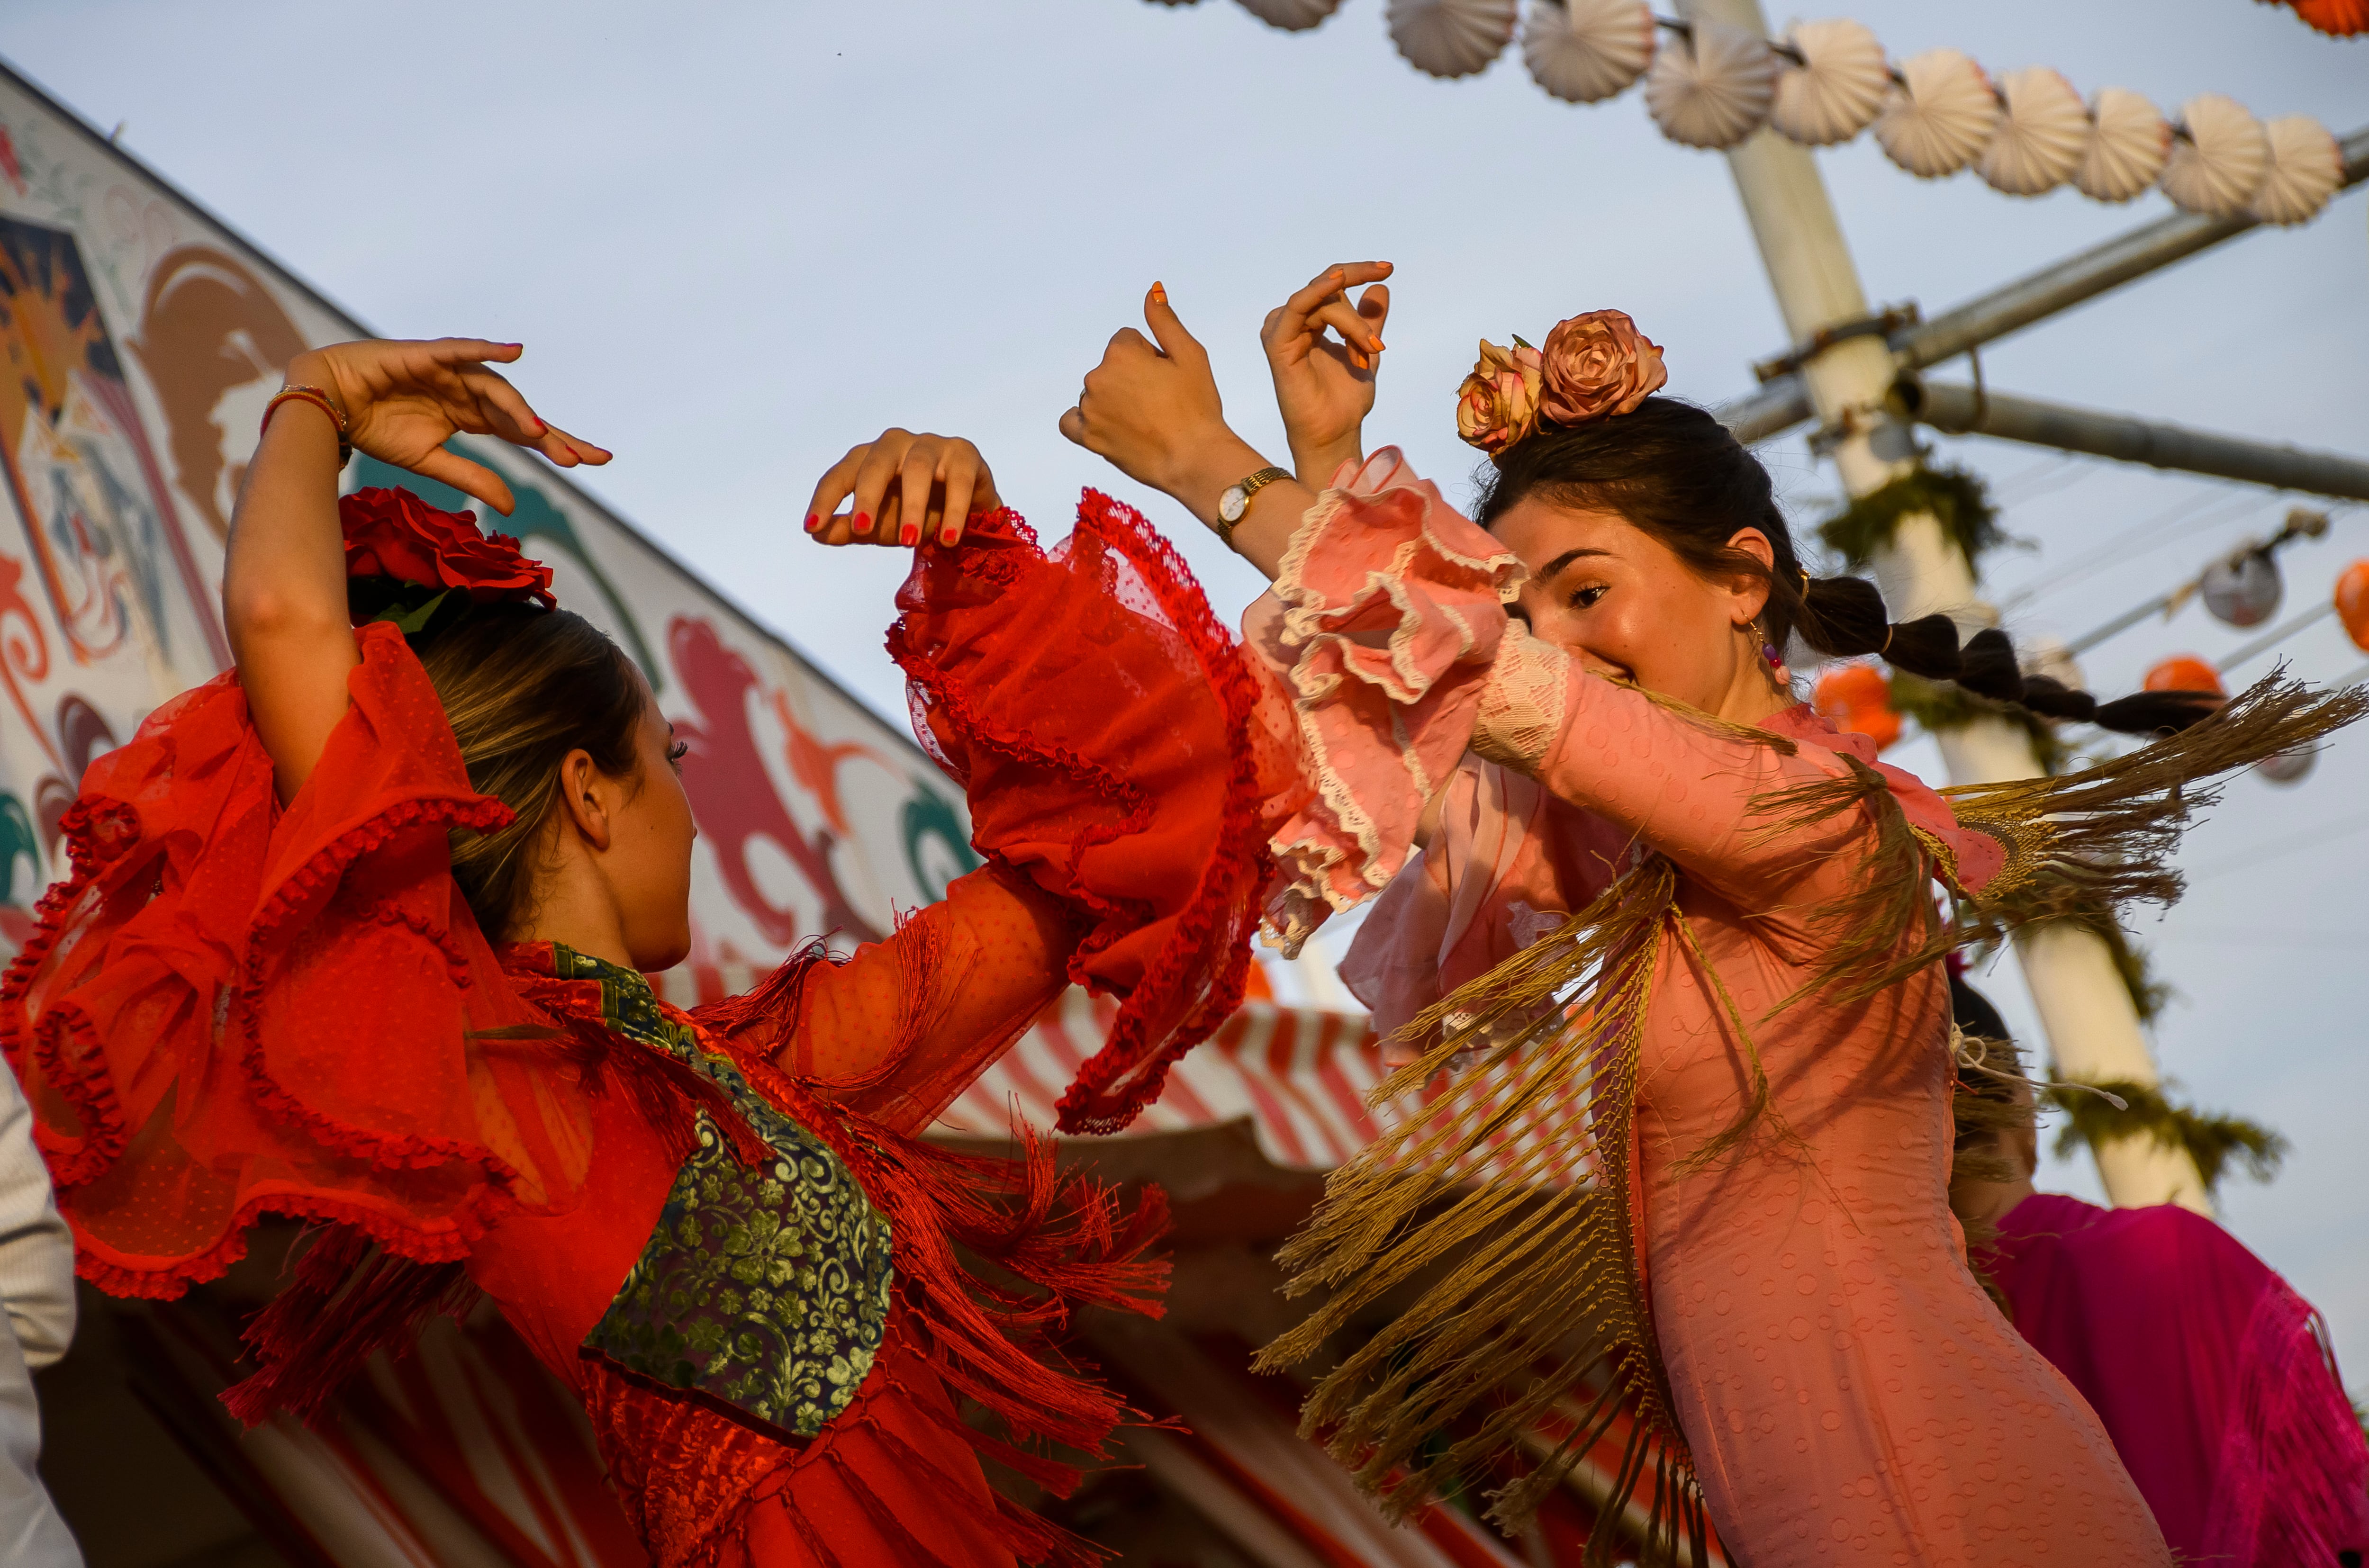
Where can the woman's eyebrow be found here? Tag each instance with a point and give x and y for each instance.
(1554, 567)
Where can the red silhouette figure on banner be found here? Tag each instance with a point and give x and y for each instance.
(732, 795)
(815, 765)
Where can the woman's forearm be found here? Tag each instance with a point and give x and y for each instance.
(1204, 472)
(284, 590)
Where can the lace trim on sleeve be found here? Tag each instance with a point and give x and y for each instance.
(1525, 703)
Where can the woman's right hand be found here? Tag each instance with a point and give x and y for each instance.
(1324, 388)
(404, 400)
(902, 489)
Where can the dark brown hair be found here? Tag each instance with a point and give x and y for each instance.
(1677, 472)
(522, 687)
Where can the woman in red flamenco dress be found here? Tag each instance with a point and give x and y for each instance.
(356, 935)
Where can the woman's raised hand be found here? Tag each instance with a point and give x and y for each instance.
(901, 489)
(1152, 407)
(1324, 387)
(1155, 414)
(404, 400)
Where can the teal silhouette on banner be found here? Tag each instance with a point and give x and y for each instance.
(18, 841)
(927, 818)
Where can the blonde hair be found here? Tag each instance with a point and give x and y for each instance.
(522, 687)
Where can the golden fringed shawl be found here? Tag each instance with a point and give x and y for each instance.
(1499, 1289)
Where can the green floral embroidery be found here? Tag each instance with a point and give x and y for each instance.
(765, 1287)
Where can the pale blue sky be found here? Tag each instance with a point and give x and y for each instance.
(740, 237)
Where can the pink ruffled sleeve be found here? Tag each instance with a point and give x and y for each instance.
(1372, 654)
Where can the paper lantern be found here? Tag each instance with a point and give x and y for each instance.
(2307, 167)
(1291, 15)
(2245, 591)
(2352, 603)
(2338, 18)
(2184, 672)
(2129, 141)
(2042, 131)
(2288, 767)
(1452, 37)
(1582, 51)
(1713, 88)
(1857, 699)
(2218, 158)
(1940, 117)
(1837, 90)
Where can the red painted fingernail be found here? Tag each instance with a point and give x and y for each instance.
(951, 536)
(863, 522)
(909, 534)
(813, 521)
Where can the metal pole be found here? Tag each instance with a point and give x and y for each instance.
(1966, 410)
(2086, 275)
(1785, 402)
(2093, 1029)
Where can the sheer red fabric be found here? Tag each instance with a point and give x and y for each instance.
(229, 1011)
(1105, 797)
(232, 1010)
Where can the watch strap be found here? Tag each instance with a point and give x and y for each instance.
(1250, 486)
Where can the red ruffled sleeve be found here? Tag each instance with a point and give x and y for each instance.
(229, 1010)
(1101, 718)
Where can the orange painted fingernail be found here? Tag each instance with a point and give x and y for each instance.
(1160, 294)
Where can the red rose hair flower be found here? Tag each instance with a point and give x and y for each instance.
(394, 534)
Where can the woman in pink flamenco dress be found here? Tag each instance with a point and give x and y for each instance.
(1668, 931)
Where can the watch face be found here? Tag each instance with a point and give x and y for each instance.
(1232, 504)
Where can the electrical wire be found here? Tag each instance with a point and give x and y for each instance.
(2116, 550)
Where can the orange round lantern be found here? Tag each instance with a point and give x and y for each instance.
(2352, 603)
(1857, 698)
(2184, 672)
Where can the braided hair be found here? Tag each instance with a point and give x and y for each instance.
(1677, 472)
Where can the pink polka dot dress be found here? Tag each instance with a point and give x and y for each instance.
(1848, 1392)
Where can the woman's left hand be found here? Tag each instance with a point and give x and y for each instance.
(1324, 389)
(901, 489)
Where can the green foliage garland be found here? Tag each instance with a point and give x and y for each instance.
(1955, 496)
(2210, 1140)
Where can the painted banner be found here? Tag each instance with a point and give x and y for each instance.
(143, 339)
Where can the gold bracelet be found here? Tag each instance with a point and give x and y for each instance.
(320, 400)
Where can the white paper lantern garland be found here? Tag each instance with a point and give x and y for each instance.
(1291, 15)
(1585, 50)
(2042, 131)
(1451, 37)
(1831, 85)
(1711, 86)
(2129, 143)
(1940, 115)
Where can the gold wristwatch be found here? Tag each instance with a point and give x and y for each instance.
(1235, 502)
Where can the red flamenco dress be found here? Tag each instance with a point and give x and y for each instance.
(718, 1226)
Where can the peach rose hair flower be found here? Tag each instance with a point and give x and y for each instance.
(1593, 367)
(1498, 403)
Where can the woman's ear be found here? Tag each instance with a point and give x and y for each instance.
(1751, 589)
(584, 795)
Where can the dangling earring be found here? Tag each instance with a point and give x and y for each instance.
(1772, 653)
